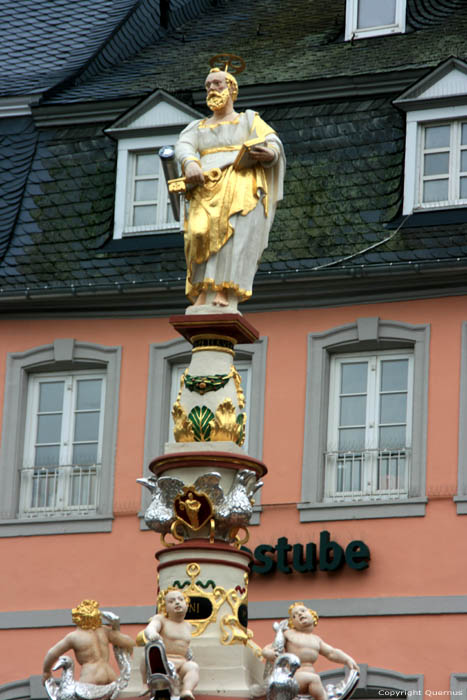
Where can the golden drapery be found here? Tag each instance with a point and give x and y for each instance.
(225, 193)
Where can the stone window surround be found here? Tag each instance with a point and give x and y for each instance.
(63, 354)
(127, 148)
(372, 680)
(365, 334)
(162, 356)
(461, 497)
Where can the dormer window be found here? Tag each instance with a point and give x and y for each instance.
(147, 205)
(142, 204)
(366, 18)
(436, 139)
(443, 164)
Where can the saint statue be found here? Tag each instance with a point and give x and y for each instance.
(232, 201)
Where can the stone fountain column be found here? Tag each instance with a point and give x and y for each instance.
(202, 510)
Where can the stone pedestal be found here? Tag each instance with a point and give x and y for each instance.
(205, 482)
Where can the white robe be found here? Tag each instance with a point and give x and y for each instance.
(234, 265)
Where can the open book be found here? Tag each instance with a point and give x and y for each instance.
(244, 158)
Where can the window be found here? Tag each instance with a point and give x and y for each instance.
(166, 364)
(58, 439)
(148, 206)
(142, 204)
(365, 18)
(369, 426)
(435, 174)
(443, 164)
(62, 462)
(365, 431)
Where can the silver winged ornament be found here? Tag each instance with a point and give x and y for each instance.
(282, 684)
(159, 515)
(237, 507)
(230, 511)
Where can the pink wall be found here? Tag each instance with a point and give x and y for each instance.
(409, 556)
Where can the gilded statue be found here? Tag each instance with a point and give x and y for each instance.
(234, 163)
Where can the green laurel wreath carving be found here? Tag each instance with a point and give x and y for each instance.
(203, 384)
(200, 417)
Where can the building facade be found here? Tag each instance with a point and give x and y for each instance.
(357, 389)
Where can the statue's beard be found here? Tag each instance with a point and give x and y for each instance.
(217, 100)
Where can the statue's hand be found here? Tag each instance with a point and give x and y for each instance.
(262, 154)
(45, 676)
(352, 664)
(194, 174)
(270, 654)
(153, 636)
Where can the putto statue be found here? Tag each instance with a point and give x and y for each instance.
(296, 636)
(168, 659)
(235, 163)
(90, 643)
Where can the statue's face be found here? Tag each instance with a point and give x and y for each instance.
(302, 617)
(175, 603)
(217, 91)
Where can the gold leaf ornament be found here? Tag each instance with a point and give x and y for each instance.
(225, 424)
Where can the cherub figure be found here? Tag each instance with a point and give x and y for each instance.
(90, 643)
(170, 626)
(300, 639)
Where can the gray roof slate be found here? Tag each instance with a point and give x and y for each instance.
(343, 189)
(43, 42)
(285, 40)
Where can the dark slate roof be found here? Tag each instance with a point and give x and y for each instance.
(343, 187)
(43, 42)
(281, 41)
(343, 190)
(17, 144)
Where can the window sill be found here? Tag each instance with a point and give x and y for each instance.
(362, 510)
(27, 527)
(461, 504)
(372, 33)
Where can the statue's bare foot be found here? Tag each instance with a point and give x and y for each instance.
(201, 299)
(187, 694)
(220, 299)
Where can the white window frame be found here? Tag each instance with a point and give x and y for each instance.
(365, 335)
(368, 458)
(454, 173)
(64, 356)
(351, 18)
(128, 149)
(61, 479)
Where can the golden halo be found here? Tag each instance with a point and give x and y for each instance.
(228, 62)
